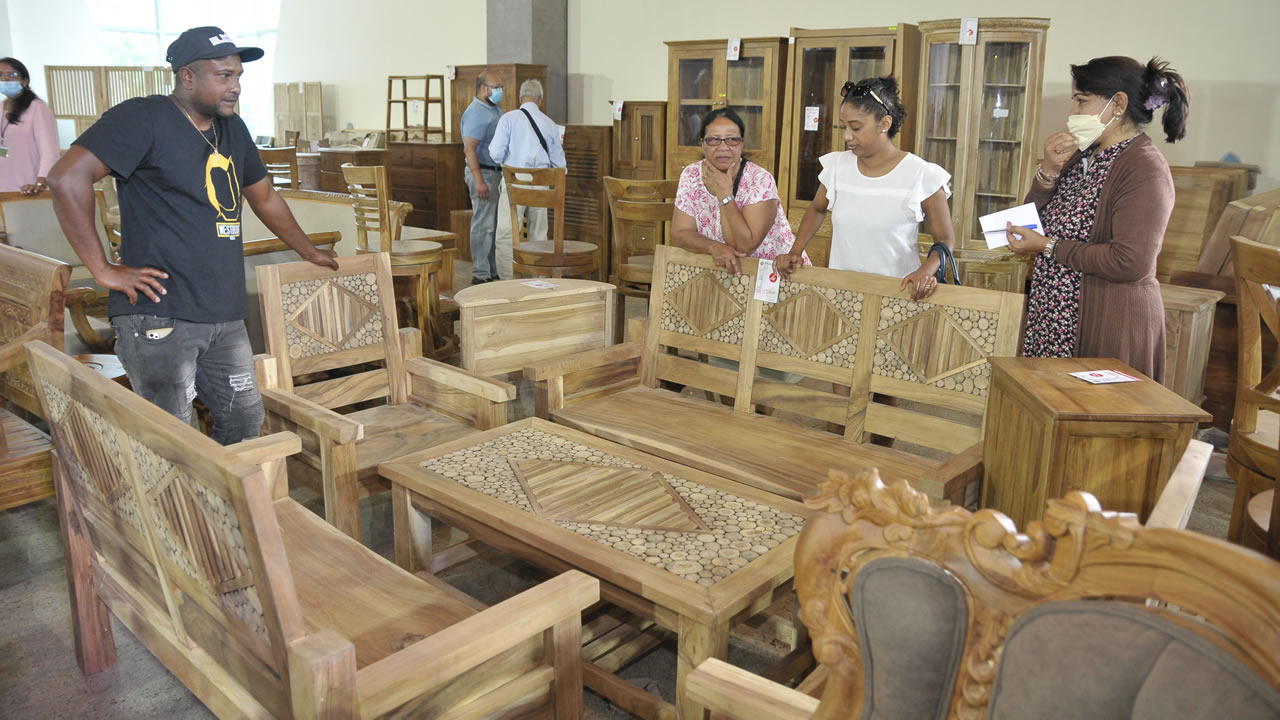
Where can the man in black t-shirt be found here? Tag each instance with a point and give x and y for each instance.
(184, 165)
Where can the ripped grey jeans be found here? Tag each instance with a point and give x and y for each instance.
(170, 362)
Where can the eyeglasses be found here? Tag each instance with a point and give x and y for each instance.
(862, 91)
(10, 75)
(715, 141)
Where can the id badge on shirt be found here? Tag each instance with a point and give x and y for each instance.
(4, 151)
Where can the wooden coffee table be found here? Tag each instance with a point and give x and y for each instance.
(689, 551)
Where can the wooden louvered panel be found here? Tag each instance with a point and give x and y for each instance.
(588, 151)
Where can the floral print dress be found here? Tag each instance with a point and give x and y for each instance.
(1053, 307)
(757, 185)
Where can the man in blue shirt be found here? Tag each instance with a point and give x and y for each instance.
(517, 143)
(483, 175)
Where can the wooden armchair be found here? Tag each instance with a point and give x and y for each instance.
(282, 166)
(641, 210)
(341, 324)
(257, 605)
(31, 298)
(923, 612)
(555, 257)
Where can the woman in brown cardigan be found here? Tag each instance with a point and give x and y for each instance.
(1104, 193)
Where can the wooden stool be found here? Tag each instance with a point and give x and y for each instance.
(422, 261)
(555, 257)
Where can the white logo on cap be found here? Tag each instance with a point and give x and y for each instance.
(220, 39)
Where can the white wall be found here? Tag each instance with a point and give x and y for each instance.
(1226, 50)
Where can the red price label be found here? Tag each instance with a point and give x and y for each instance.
(773, 277)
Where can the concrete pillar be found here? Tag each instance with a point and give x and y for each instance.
(534, 32)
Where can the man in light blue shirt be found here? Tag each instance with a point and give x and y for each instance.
(483, 175)
(516, 143)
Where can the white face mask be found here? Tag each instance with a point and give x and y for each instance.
(1086, 129)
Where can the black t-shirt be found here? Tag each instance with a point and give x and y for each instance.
(180, 205)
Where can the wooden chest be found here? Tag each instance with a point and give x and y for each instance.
(1188, 331)
(430, 177)
(332, 159)
(1047, 433)
(308, 171)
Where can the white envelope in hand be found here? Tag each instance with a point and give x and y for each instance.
(993, 225)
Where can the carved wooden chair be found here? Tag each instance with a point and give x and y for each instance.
(1252, 457)
(341, 324)
(256, 604)
(555, 256)
(641, 210)
(31, 300)
(282, 166)
(923, 612)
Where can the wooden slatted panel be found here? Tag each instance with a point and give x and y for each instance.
(73, 91)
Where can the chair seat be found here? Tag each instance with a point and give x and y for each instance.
(394, 430)
(358, 594)
(407, 247)
(26, 473)
(540, 252)
(1258, 449)
(637, 269)
(1260, 516)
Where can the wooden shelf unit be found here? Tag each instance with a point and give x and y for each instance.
(428, 130)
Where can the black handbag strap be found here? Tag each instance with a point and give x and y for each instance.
(944, 254)
(538, 132)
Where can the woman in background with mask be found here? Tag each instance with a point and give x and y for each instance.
(28, 135)
(1105, 194)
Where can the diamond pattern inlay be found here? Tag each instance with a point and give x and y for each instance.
(809, 322)
(933, 345)
(704, 304)
(629, 497)
(332, 315)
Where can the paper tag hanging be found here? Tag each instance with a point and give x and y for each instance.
(451, 71)
(969, 31)
(735, 48)
(617, 109)
(767, 282)
(811, 114)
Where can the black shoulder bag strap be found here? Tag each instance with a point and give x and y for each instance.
(945, 257)
(538, 132)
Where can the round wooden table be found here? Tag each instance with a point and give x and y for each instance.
(108, 366)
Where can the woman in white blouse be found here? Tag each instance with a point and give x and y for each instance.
(878, 194)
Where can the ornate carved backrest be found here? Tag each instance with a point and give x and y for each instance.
(316, 320)
(1217, 590)
(538, 188)
(1257, 268)
(369, 201)
(32, 291)
(641, 210)
(282, 166)
(188, 524)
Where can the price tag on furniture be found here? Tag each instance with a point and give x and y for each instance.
(767, 282)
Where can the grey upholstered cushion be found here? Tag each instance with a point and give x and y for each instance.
(1097, 660)
(911, 619)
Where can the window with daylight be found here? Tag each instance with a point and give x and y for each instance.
(137, 32)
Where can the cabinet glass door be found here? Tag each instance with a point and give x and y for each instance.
(1000, 127)
(697, 92)
(818, 90)
(943, 105)
(746, 92)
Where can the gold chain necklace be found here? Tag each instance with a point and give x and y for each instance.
(213, 123)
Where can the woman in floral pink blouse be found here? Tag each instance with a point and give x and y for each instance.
(726, 206)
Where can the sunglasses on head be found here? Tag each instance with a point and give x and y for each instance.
(852, 89)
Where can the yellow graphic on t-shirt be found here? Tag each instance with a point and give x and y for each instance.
(221, 168)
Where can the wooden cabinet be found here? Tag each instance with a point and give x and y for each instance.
(979, 118)
(430, 177)
(640, 141)
(588, 151)
(819, 63)
(332, 159)
(1188, 332)
(1047, 433)
(700, 79)
(462, 89)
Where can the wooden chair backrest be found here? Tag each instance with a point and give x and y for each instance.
(641, 211)
(370, 203)
(32, 289)
(291, 137)
(1219, 590)
(536, 188)
(846, 328)
(182, 522)
(282, 166)
(316, 320)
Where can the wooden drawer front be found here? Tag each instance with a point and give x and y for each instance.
(416, 155)
(422, 219)
(411, 178)
(332, 161)
(333, 182)
(399, 156)
(420, 200)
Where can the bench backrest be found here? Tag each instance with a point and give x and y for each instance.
(32, 291)
(176, 521)
(917, 372)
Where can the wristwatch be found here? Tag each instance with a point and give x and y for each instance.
(725, 201)
(1048, 247)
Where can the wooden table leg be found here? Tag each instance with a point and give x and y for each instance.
(412, 531)
(697, 643)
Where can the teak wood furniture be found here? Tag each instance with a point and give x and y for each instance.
(332, 160)
(259, 607)
(430, 104)
(684, 549)
(1253, 459)
(819, 63)
(556, 256)
(81, 93)
(920, 612)
(508, 324)
(830, 327)
(1200, 197)
(462, 90)
(282, 166)
(640, 141)
(1188, 333)
(31, 301)
(588, 151)
(700, 79)
(641, 211)
(300, 113)
(319, 320)
(426, 176)
(1048, 433)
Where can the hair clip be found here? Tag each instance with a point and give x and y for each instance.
(1155, 101)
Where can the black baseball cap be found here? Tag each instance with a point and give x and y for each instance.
(204, 43)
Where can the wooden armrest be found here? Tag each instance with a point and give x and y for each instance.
(585, 360)
(435, 661)
(267, 448)
(463, 380)
(736, 693)
(954, 475)
(316, 418)
(1173, 507)
(272, 244)
(11, 353)
(80, 295)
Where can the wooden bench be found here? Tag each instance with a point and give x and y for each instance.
(255, 603)
(918, 373)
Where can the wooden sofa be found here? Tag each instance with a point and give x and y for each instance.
(917, 372)
(256, 604)
(920, 612)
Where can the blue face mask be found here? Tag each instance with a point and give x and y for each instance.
(11, 88)
(496, 96)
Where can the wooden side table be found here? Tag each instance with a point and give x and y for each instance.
(1047, 433)
(1188, 330)
(511, 323)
